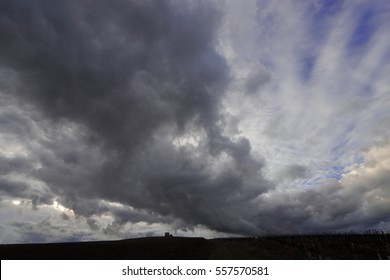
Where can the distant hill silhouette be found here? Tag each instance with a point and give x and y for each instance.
(340, 246)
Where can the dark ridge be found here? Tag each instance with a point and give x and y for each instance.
(373, 246)
(139, 248)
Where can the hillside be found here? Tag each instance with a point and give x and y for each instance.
(341, 246)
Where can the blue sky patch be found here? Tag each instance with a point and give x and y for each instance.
(364, 30)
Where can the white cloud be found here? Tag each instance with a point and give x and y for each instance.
(327, 115)
(322, 121)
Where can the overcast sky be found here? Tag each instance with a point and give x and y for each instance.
(128, 118)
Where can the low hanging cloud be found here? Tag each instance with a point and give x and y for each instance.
(103, 91)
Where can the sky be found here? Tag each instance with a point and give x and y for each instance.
(129, 118)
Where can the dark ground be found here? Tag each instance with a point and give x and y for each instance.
(341, 246)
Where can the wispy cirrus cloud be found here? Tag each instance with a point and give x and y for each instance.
(310, 89)
(325, 86)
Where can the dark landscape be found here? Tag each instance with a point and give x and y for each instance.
(371, 246)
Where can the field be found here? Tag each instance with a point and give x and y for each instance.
(315, 247)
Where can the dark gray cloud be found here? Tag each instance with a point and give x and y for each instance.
(93, 224)
(18, 164)
(293, 171)
(256, 81)
(113, 83)
(13, 188)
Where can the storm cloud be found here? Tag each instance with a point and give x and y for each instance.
(114, 84)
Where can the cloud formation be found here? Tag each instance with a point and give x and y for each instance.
(113, 90)
(130, 118)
